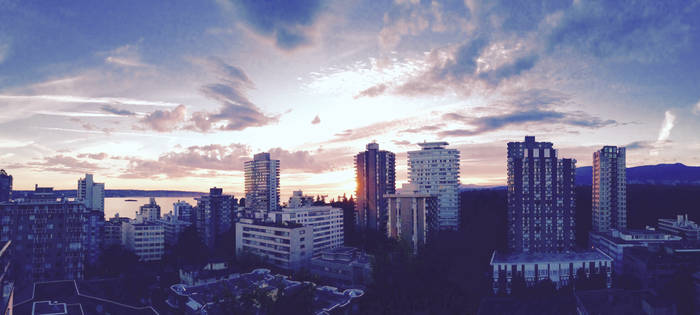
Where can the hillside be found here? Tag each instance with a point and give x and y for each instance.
(660, 174)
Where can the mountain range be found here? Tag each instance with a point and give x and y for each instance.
(660, 174)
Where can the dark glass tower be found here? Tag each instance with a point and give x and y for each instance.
(541, 198)
(375, 171)
(5, 186)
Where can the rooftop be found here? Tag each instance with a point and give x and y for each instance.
(515, 258)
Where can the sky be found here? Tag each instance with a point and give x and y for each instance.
(177, 95)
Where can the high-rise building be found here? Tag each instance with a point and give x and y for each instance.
(327, 223)
(541, 198)
(91, 193)
(214, 215)
(48, 235)
(183, 211)
(5, 186)
(435, 169)
(150, 211)
(609, 189)
(262, 183)
(376, 176)
(93, 196)
(412, 216)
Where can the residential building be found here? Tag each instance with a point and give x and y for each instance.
(183, 211)
(655, 266)
(541, 198)
(435, 169)
(343, 266)
(286, 245)
(412, 216)
(560, 268)
(681, 226)
(91, 193)
(5, 186)
(262, 183)
(145, 238)
(327, 223)
(48, 236)
(375, 172)
(613, 243)
(214, 215)
(207, 298)
(609, 189)
(150, 211)
(112, 232)
(172, 228)
(7, 286)
(298, 200)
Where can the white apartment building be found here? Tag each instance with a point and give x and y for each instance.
(288, 245)
(173, 228)
(327, 223)
(435, 169)
(144, 238)
(91, 193)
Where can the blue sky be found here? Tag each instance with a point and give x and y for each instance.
(160, 95)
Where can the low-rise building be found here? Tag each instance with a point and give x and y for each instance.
(327, 223)
(412, 215)
(287, 245)
(681, 226)
(561, 268)
(343, 266)
(298, 200)
(112, 232)
(144, 238)
(655, 266)
(614, 242)
(221, 297)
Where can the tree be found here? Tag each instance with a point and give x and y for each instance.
(190, 250)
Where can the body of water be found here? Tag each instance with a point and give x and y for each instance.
(128, 209)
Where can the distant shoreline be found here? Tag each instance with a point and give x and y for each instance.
(126, 193)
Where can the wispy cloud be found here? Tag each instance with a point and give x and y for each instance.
(664, 133)
(316, 121)
(89, 100)
(117, 111)
(165, 120)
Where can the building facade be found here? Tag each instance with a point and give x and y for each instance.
(541, 198)
(609, 189)
(435, 169)
(262, 183)
(681, 226)
(144, 238)
(287, 245)
(7, 285)
(343, 266)
(150, 211)
(5, 186)
(214, 215)
(183, 211)
(112, 231)
(412, 216)
(375, 172)
(298, 200)
(91, 193)
(326, 221)
(48, 235)
(172, 228)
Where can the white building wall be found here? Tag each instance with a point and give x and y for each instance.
(327, 223)
(286, 247)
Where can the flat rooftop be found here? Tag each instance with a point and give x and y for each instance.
(515, 258)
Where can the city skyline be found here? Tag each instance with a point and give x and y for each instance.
(170, 99)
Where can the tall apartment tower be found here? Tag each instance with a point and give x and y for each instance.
(376, 176)
(412, 216)
(91, 193)
(435, 169)
(5, 186)
(214, 215)
(609, 189)
(262, 183)
(541, 198)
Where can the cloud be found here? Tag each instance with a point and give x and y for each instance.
(425, 128)
(4, 51)
(638, 145)
(316, 121)
(164, 120)
(372, 91)
(288, 23)
(515, 68)
(401, 142)
(95, 156)
(666, 126)
(89, 100)
(366, 131)
(64, 164)
(696, 109)
(237, 112)
(124, 56)
(117, 111)
(216, 157)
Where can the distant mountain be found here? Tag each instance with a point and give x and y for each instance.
(660, 174)
(71, 193)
